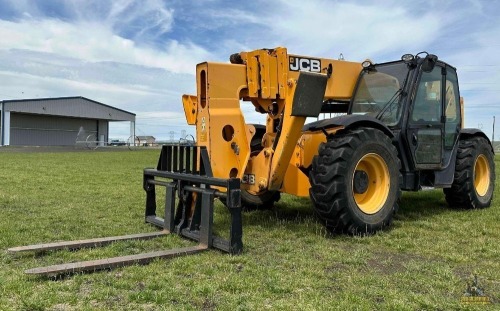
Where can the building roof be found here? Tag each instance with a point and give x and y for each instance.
(146, 137)
(77, 106)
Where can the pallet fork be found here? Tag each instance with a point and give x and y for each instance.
(192, 184)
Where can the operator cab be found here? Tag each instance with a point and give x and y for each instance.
(418, 99)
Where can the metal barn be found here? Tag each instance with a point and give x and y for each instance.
(57, 121)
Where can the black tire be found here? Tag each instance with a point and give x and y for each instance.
(263, 200)
(332, 181)
(464, 192)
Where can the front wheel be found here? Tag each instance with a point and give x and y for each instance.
(355, 181)
(474, 179)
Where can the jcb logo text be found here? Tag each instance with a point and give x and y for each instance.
(305, 64)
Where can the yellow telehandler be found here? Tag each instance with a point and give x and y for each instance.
(400, 128)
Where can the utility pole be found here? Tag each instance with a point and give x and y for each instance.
(493, 137)
(172, 133)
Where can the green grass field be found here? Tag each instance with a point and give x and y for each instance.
(290, 262)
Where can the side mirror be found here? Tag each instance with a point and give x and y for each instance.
(429, 62)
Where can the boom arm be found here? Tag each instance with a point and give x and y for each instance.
(271, 81)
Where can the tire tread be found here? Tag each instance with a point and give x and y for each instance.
(328, 180)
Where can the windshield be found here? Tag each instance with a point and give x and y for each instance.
(379, 92)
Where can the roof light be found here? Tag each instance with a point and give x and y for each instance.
(407, 58)
(367, 63)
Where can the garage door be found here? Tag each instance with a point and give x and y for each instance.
(41, 130)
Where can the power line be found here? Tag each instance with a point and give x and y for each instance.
(477, 70)
(476, 65)
(478, 83)
(161, 125)
(480, 90)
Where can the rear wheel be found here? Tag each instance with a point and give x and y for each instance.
(474, 179)
(355, 181)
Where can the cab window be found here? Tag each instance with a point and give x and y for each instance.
(427, 104)
(452, 109)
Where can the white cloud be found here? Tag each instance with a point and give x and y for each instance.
(479, 77)
(460, 35)
(328, 28)
(92, 41)
(160, 115)
(130, 53)
(150, 14)
(158, 109)
(46, 57)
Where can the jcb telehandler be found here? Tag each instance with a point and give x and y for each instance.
(402, 130)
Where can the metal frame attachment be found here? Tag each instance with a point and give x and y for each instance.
(192, 183)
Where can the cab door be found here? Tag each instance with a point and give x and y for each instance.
(452, 114)
(425, 122)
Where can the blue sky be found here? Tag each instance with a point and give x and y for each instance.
(141, 55)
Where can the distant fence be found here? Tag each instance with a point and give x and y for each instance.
(133, 142)
(91, 142)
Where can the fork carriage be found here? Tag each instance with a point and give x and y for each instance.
(189, 211)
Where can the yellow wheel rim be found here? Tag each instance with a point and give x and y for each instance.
(481, 175)
(379, 180)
